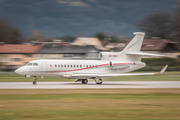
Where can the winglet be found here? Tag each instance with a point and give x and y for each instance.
(162, 71)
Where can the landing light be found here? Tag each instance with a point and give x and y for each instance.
(66, 75)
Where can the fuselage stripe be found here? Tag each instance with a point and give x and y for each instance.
(90, 67)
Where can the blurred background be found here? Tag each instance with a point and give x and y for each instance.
(80, 29)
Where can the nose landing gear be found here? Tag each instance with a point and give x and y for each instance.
(35, 80)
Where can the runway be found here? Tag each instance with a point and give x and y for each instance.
(90, 85)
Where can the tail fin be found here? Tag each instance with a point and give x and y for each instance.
(136, 43)
(133, 46)
(132, 51)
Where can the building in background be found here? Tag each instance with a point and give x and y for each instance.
(15, 55)
(89, 41)
(51, 51)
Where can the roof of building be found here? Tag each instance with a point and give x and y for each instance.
(61, 49)
(154, 45)
(20, 48)
(89, 41)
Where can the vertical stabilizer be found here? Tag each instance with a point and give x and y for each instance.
(128, 54)
(136, 43)
(133, 46)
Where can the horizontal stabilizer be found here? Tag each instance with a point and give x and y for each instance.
(143, 54)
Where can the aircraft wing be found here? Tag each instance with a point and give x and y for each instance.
(125, 74)
(109, 75)
(121, 74)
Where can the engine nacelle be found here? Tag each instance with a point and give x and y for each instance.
(118, 65)
(108, 55)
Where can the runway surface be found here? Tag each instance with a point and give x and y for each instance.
(90, 85)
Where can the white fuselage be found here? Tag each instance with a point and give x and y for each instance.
(65, 68)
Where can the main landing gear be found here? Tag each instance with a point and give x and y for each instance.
(99, 81)
(35, 80)
(85, 81)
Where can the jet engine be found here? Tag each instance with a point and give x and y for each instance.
(108, 55)
(118, 65)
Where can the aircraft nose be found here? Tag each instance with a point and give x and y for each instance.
(17, 71)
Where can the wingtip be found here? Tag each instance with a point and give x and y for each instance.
(163, 70)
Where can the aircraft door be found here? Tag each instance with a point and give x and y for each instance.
(43, 68)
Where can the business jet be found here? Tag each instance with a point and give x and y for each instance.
(110, 64)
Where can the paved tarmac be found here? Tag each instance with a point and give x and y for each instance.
(90, 85)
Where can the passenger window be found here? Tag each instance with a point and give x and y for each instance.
(67, 65)
(64, 65)
(81, 66)
(61, 65)
(55, 65)
(71, 66)
(74, 65)
(87, 66)
(58, 65)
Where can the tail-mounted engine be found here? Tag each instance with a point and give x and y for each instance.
(108, 55)
(118, 65)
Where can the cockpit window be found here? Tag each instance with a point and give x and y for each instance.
(32, 64)
(29, 64)
(35, 64)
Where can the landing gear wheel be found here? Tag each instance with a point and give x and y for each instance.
(84, 81)
(99, 82)
(35, 79)
(34, 82)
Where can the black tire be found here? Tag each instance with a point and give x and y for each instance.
(84, 81)
(34, 82)
(100, 82)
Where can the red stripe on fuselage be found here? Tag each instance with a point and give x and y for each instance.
(90, 67)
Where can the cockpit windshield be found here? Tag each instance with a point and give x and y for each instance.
(29, 64)
(35, 64)
(32, 64)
